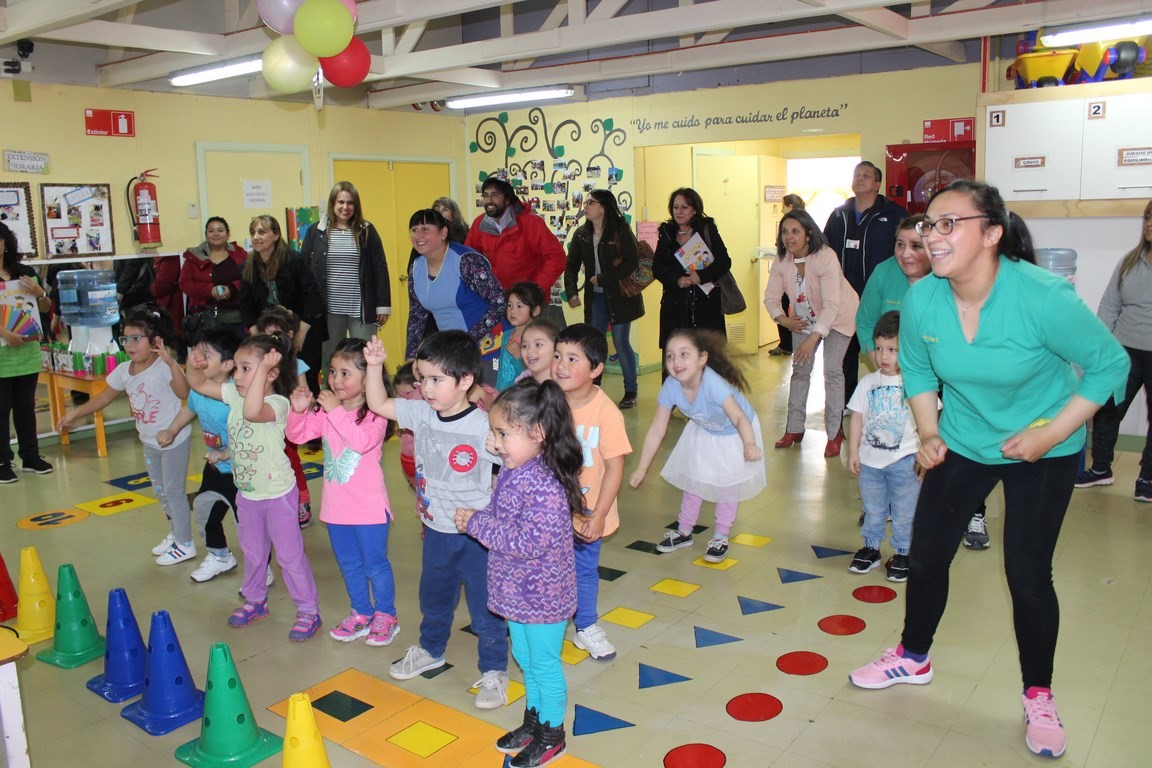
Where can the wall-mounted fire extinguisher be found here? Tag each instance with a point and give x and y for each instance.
(143, 209)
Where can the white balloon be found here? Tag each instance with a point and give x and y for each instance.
(287, 66)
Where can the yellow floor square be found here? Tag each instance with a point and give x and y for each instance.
(571, 654)
(715, 566)
(422, 739)
(626, 617)
(120, 502)
(386, 700)
(674, 588)
(750, 539)
(515, 691)
(470, 737)
(196, 479)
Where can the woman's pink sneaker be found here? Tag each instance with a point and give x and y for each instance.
(891, 669)
(1043, 730)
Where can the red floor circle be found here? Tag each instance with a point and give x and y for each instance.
(874, 594)
(801, 663)
(841, 624)
(754, 707)
(695, 756)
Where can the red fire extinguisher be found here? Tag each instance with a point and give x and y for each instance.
(143, 209)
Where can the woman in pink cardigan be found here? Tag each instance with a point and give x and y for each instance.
(824, 312)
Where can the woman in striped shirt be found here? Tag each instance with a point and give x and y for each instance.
(347, 257)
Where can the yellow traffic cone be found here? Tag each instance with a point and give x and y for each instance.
(37, 618)
(303, 744)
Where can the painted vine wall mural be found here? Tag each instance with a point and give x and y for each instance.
(543, 163)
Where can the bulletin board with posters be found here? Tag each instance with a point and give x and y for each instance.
(77, 219)
(16, 214)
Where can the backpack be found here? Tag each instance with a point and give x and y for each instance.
(641, 278)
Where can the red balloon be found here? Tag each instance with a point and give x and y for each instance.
(349, 67)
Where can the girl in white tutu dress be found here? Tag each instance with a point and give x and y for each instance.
(720, 455)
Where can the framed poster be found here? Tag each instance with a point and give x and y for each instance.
(16, 212)
(77, 219)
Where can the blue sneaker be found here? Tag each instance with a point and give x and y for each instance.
(1093, 476)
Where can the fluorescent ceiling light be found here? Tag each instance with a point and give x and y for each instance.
(220, 71)
(513, 97)
(1089, 33)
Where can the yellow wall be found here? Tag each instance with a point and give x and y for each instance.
(167, 129)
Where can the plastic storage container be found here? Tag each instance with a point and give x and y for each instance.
(1059, 261)
(88, 298)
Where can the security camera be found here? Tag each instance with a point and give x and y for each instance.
(24, 47)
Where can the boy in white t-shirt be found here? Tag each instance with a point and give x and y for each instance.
(882, 446)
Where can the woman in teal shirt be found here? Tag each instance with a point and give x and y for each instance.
(1001, 335)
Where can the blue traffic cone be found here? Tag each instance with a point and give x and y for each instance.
(229, 735)
(170, 697)
(76, 640)
(126, 656)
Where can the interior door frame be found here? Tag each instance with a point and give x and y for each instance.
(334, 157)
(204, 147)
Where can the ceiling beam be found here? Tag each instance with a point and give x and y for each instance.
(32, 17)
(881, 20)
(555, 19)
(372, 16)
(119, 35)
(953, 51)
(411, 37)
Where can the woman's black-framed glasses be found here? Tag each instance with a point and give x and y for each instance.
(943, 226)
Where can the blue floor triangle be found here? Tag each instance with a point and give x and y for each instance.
(787, 576)
(749, 605)
(588, 721)
(823, 552)
(651, 677)
(708, 637)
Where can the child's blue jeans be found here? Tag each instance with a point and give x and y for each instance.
(889, 492)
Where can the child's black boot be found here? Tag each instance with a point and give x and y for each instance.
(519, 737)
(547, 745)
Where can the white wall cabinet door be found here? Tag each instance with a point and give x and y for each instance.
(1033, 151)
(1117, 147)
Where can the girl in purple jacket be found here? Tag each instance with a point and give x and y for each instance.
(527, 529)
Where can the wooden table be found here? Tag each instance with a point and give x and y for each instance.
(12, 649)
(59, 384)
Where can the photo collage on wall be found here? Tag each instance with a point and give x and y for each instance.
(77, 219)
(16, 214)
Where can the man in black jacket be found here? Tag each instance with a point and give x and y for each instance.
(863, 232)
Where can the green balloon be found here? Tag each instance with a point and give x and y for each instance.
(323, 27)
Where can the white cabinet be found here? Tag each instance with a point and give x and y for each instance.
(1117, 147)
(1033, 151)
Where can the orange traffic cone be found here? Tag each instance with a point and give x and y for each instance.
(37, 618)
(8, 600)
(303, 744)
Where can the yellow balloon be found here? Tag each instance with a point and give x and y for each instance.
(287, 66)
(323, 27)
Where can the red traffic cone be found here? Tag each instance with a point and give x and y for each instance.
(8, 599)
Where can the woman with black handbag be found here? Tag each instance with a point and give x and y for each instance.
(605, 247)
(210, 279)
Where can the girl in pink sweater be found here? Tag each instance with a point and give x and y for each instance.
(355, 505)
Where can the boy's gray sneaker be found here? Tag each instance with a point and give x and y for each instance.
(416, 661)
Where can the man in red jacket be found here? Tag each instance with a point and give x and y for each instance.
(517, 242)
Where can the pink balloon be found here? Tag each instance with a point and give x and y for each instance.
(279, 14)
(349, 67)
(351, 6)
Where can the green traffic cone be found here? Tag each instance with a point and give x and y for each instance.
(76, 640)
(229, 735)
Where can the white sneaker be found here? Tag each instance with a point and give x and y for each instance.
(493, 692)
(593, 640)
(177, 553)
(415, 661)
(269, 577)
(163, 546)
(213, 566)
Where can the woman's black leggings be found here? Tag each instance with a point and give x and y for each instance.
(1035, 499)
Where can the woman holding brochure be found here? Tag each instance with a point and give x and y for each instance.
(690, 257)
(824, 314)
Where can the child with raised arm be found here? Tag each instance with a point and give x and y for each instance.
(212, 355)
(355, 503)
(882, 447)
(155, 385)
(720, 454)
(257, 399)
(453, 470)
(527, 529)
(581, 351)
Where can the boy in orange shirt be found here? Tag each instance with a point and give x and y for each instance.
(581, 351)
